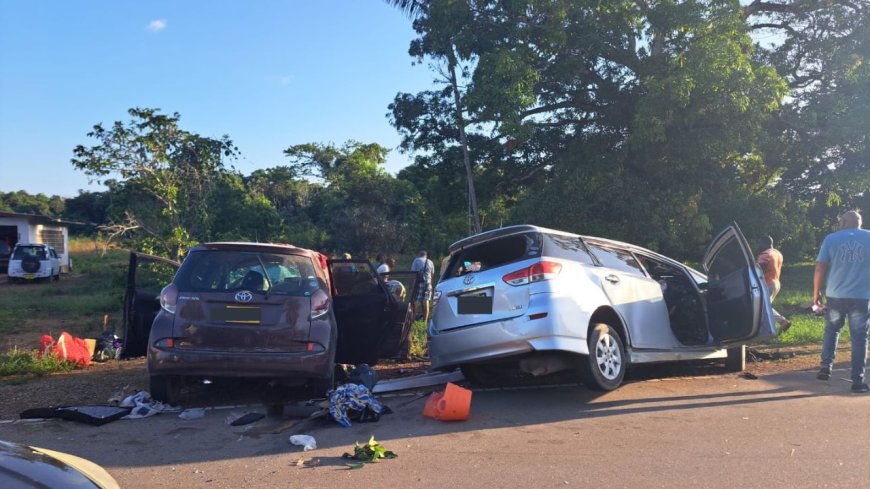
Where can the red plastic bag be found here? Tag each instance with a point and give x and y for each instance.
(72, 349)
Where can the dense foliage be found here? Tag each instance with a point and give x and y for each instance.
(656, 122)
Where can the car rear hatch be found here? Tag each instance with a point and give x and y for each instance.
(244, 301)
(473, 289)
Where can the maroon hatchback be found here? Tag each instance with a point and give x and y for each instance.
(260, 311)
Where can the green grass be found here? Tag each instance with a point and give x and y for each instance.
(794, 301)
(28, 362)
(419, 339)
(76, 303)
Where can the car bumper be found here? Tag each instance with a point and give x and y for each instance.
(198, 363)
(501, 339)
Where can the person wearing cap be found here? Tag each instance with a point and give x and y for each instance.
(843, 266)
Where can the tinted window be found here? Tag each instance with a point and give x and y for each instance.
(567, 247)
(494, 253)
(617, 259)
(729, 258)
(354, 278)
(225, 271)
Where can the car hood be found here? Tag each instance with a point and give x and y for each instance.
(26, 466)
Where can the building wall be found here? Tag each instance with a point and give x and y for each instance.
(54, 235)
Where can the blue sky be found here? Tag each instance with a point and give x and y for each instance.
(268, 73)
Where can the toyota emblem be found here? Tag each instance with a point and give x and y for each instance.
(468, 279)
(244, 296)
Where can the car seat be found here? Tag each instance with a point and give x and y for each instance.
(253, 281)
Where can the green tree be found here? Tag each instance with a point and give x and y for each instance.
(167, 175)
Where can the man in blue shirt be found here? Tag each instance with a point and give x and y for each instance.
(844, 265)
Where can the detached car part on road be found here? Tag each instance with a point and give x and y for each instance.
(255, 310)
(33, 262)
(544, 300)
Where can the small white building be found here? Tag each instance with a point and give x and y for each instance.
(31, 228)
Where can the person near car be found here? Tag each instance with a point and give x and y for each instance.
(382, 264)
(770, 261)
(843, 266)
(423, 294)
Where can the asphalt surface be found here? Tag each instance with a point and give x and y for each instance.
(784, 429)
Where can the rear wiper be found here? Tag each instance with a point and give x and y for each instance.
(265, 274)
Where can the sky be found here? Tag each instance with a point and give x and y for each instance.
(270, 74)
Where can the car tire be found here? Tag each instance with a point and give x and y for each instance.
(165, 388)
(604, 368)
(736, 359)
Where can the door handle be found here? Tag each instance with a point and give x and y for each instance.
(612, 279)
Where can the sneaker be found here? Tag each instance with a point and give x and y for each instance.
(824, 374)
(860, 388)
(786, 324)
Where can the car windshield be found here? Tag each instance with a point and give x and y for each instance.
(226, 271)
(24, 251)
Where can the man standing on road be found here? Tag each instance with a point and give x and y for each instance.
(424, 289)
(770, 261)
(844, 263)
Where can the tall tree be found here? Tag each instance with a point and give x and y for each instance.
(167, 173)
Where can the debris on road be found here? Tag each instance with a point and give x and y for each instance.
(354, 401)
(371, 452)
(94, 415)
(413, 382)
(454, 404)
(307, 442)
(192, 413)
(247, 418)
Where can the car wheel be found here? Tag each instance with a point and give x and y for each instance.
(736, 359)
(165, 388)
(604, 368)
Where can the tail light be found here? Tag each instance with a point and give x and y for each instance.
(543, 270)
(319, 304)
(168, 298)
(435, 296)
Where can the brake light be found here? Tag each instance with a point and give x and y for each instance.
(543, 270)
(319, 304)
(168, 298)
(435, 296)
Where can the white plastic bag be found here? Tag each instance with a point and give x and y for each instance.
(305, 441)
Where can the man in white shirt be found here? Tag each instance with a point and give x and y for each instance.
(424, 289)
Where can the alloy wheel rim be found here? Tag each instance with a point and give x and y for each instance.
(608, 357)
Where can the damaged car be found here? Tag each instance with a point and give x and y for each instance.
(541, 301)
(254, 310)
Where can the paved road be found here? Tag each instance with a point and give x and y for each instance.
(781, 430)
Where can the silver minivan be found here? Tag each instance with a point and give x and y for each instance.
(543, 301)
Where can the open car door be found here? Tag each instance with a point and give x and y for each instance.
(365, 312)
(401, 285)
(738, 307)
(146, 277)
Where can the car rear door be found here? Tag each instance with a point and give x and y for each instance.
(636, 297)
(146, 277)
(401, 285)
(738, 310)
(363, 312)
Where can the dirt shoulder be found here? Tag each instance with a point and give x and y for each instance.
(97, 383)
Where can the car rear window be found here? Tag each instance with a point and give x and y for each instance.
(493, 254)
(567, 247)
(23, 251)
(227, 271)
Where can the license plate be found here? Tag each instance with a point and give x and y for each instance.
(474, 304)
(29, 276)
(237, 314)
